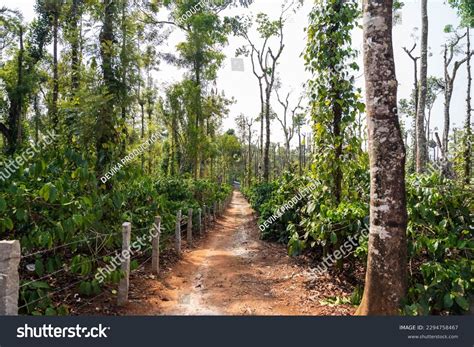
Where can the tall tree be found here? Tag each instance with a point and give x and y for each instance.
(386, 282)
(421, 149)
(205, 34)
(288, 122)
(18, 75)
(450, 50)
(106, 118)
(334, 100)
(267, 60)
(465, 9)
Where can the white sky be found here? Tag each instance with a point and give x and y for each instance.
(243, 85)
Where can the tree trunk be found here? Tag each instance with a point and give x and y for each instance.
(266, 157)
(54, 105)
(300, 152)
(447, 102)
(262, 112)
(250, 156)
(467, 130)
(74, 23)
(337, 114)
(106, 115)
(421, 155)
(385, 283)
(12, 133)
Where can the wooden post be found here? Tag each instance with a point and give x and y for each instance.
(190, 227)
(124, 283)
(10, 254)
(205, 218)
(177, 241)
(155, 256)
(199, 222)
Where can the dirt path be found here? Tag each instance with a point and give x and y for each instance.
(230, 272)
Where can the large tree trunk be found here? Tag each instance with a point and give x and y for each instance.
(385, 283)
(421, 153)
(467, 130)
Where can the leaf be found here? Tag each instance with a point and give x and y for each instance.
(39, 267)
(333, 237)
(50, 312)
(8, 223)
(462, 302)
(39, 285)
(447, 300)
(21, 215)
(44, 191)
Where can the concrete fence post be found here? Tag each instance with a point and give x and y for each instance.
(10, 254)
(177, 241)
(199, 222)
(155, 256)
(124, 284)
(190, 227)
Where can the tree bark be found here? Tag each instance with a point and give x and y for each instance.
(385, 283)
(421, 152)
(467, 130)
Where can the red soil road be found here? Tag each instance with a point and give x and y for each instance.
(230, 271)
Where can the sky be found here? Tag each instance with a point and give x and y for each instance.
(243, 86)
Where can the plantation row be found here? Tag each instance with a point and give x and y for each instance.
(60, 210)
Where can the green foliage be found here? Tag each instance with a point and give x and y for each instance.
(440, 249)
(268, 198)
(465, 9)
(440, 234)
(55, 201)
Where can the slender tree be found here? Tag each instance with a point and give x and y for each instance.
(467, 141)
(414, 59)
(288, 125)
(421, 150)
(450, 50)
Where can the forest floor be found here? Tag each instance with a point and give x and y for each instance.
(230, 271)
